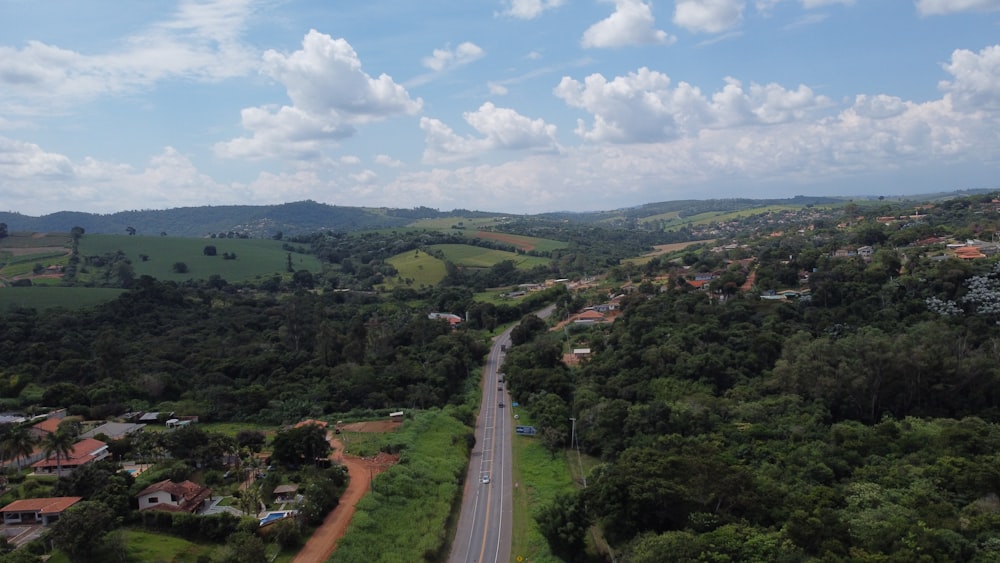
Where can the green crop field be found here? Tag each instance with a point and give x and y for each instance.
(477, 257)
(444, 223)
(49, 297)
(420, 267)
(254, 257)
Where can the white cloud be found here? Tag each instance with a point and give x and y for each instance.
(709, 16)
(976, 83)
(529, 9)
(350, 160)
(501, 129)
(765, 6)
(941, 7)
(496, 89)
(330, 94)
(388, 161)
(642, 107)
(364, 177)
(443, 59)
(630, 24)
(200, 42)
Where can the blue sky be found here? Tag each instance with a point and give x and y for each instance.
(519, 106)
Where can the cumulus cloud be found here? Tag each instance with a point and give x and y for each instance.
(632, 23)
(644, 107)
(201, 41)
(976, 82)
(942, 7)
(330, 95)
(501, 129)
(388, 161)
(529, 9)
(709, 16)
(443, 59)
(766, 5)
(39, 181)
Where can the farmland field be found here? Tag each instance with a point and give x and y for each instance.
(444, 223)
(49, 297)
(477, 257)
(420, 267)
(522, 242)
(662, 249)
(254, 257)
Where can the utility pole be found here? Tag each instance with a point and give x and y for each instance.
(575, 444)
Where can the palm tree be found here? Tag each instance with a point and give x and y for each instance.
(17, 444)
(59, 443)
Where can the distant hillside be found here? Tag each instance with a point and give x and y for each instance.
(262, 221)
(303, 217)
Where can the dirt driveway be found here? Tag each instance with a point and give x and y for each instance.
(324, 541)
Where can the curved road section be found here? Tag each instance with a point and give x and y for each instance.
(483, 533)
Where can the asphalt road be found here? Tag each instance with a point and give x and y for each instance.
(484, 525)
(483, 533)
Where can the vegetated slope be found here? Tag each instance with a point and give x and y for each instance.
(416, 269)
(262, 221)
(467, 256)
(253, 257)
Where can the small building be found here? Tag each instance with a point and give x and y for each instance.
(186, 496)
(396, 416)
(286, 493)
(84, 452)
(43, 511)
(114, 430)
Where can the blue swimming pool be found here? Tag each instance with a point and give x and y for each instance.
(275, 516)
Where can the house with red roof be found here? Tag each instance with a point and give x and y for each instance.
(43, 511)
(45, 427)
(186, 496)
(85, 451)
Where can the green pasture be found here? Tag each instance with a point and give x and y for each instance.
(254, 257)
(466, 223)
(467, 256)
(722, 216)
(669, 216)
(41, 298)
(538, 478)
(418, 266)
(20, 239)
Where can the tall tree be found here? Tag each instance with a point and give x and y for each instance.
(58, 443)
(17, 444)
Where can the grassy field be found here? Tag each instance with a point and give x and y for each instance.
(41, 298)
(477, 257)
(662, 249)
(254, 257)
(538, 478)
(465, 223)
(420, 267)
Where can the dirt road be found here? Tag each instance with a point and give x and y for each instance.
(322, 543)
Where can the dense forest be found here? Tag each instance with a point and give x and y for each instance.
(857, 424)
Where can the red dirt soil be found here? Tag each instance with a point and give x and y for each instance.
(324, 540)
(513, 240)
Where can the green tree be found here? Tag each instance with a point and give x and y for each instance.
(564, 524)
(244, 547)
(59, 443)
(303, 445)
(81, 530)
(179, 268)
(18, 443)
